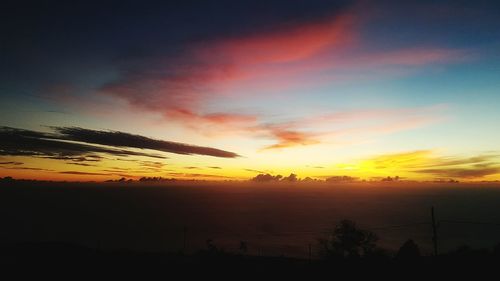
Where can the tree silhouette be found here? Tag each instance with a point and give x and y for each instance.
(243, 247)
(346, 240)
(211, 248)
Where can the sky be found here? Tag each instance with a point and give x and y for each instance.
(228, 90)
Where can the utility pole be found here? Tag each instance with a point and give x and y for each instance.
(310, 252)
(434, 232)
(184, 243)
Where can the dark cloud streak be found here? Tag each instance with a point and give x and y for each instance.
(19, 142)
(83, 173)
(82, 145)
(11, 163)
(121, 139)
(473, 172)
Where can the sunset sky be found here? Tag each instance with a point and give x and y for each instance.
(227, 90)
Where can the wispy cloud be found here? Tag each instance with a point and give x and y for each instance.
(349, 126)
(82, 164)
(15, 163)
(289, 138)
(205, 69)
(467, 173)
(429, 163)
(27, 168)
(199, 176)
(255, 171)
(192, 168)
(183, 86)
(214, 69)
(83, 173)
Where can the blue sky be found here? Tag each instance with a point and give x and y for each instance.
(284, 85)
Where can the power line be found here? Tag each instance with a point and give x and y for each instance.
(469, 222)
(308, 232)
(398, 226)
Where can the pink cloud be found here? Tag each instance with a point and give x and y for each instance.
(289, 138)
(205, 71)
(289, 45)
(349, 126)
(206, 123)
(181, 88)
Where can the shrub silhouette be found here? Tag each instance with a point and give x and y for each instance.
(408, 251)
(346, 240)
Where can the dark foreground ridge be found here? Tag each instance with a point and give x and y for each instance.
(54, 257)
(36, 218)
